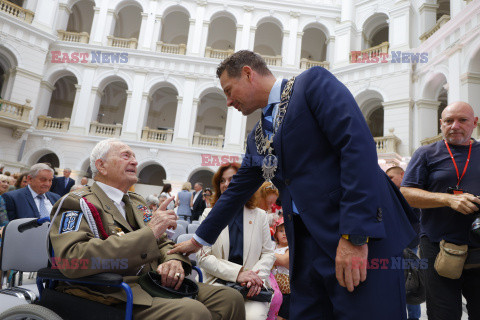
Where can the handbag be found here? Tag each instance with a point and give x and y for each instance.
(265, 295)
(414, 278)
(451, 260)
(283, 281)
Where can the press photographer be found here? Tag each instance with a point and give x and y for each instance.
(443, 180)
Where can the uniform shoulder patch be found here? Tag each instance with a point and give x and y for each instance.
(70, 221)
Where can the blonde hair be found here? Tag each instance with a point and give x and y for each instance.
(187, 186)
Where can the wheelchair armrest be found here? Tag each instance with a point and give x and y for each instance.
(107, 279)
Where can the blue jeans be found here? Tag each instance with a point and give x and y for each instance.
(414, 310)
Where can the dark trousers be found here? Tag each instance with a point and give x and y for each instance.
(444, 296)
(316, 293)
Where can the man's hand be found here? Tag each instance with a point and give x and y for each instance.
(351, 264)
(185, 247)
(172, 274)
(162, 219)
(250, 278)
(465, 203)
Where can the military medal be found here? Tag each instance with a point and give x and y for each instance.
(263, 143)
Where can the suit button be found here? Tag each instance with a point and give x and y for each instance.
(287, 182)
(143, 256)
(379, 214)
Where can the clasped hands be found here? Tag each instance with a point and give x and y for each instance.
(251, 280)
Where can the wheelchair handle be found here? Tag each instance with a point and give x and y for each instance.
(32, 224)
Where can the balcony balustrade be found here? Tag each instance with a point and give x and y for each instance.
(105, 130)
(377, 51)
(154, 135)
(16, 116)
(204, 141)
(171, 48)
(272, 60)
(387, 144)
(426, 141)
(53, 124)
(122, 42)
(307, 64)
(81, 37)
(443, 19)
(16, 11)
(217, 53)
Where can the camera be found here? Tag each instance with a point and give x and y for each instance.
(475, 229)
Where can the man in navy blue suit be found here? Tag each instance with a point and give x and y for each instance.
(340, 208)
(33, 201)
(62, 185)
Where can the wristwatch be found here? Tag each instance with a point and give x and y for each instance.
(356, 240)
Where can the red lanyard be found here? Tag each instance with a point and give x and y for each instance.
(455, 164)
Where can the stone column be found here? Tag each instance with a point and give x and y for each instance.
(186, 114)
(191, 37)
(157, 29)
(234, 131)
(145, 34)
(109, 26)
(43, 103)
(44, 18)
(454, 66)
(97, 28)
(8, 80)
(330, 43)
(427, 120)
(246, 34)
(398, 115)
(253, 30)
(83, 106)
(298, 52)
(291, 43)
(95, 101)
(399, 26)
(197, 38)
(62, 17)
(203, 43)
(470, 89)
(428, 16)
(238, 38)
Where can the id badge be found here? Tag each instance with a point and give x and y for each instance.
(455, 190)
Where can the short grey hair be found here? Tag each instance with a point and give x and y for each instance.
(151, 199)
(36, 168)
(3, 177)
(100, 151)
(67, 169)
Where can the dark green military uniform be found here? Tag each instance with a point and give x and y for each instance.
(129, 253)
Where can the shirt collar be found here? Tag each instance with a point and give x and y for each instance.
(34, 194)
(111, 192)
(275, 94)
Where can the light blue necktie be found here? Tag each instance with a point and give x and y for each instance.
(66, 182)
(43, 209)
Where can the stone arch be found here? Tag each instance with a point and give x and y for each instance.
(81, 16)
(126, 3)
(175, 25)
(278, 20)
(103, 79)
(434, 83)
(203, 175)
(162, 107)
(176, 8)
(42, 156)
(268, 37)
(314, 42)
(371, 105)
(63, 97)
(56, 72)
(152, 173)
(155, 83)
(222, 31)
(375, 30)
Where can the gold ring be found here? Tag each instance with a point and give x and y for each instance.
(177, 275)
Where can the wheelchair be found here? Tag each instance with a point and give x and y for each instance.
(51, 304)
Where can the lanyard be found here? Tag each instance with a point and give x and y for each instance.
(455, 164)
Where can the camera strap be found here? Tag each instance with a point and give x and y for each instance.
(459, 178)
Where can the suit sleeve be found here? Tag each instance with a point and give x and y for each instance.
(341, 120)
(243, 185)
(10, 207)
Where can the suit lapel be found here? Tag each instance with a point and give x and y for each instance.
(248, 223)
(31, 202)
(277, 140)
(109, 207)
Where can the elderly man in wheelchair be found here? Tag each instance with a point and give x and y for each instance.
(104, 234)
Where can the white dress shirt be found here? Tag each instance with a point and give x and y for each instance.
(47, 202)
(116, 195)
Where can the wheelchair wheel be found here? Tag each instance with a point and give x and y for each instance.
(30, 312)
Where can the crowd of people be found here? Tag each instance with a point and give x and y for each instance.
(291, 236)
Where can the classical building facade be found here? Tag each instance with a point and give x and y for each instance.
(75, 72)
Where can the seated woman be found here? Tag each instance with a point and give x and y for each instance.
(244, 251)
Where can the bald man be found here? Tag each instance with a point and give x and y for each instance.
(443, 179)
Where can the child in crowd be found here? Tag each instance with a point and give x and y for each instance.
(281, 266)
